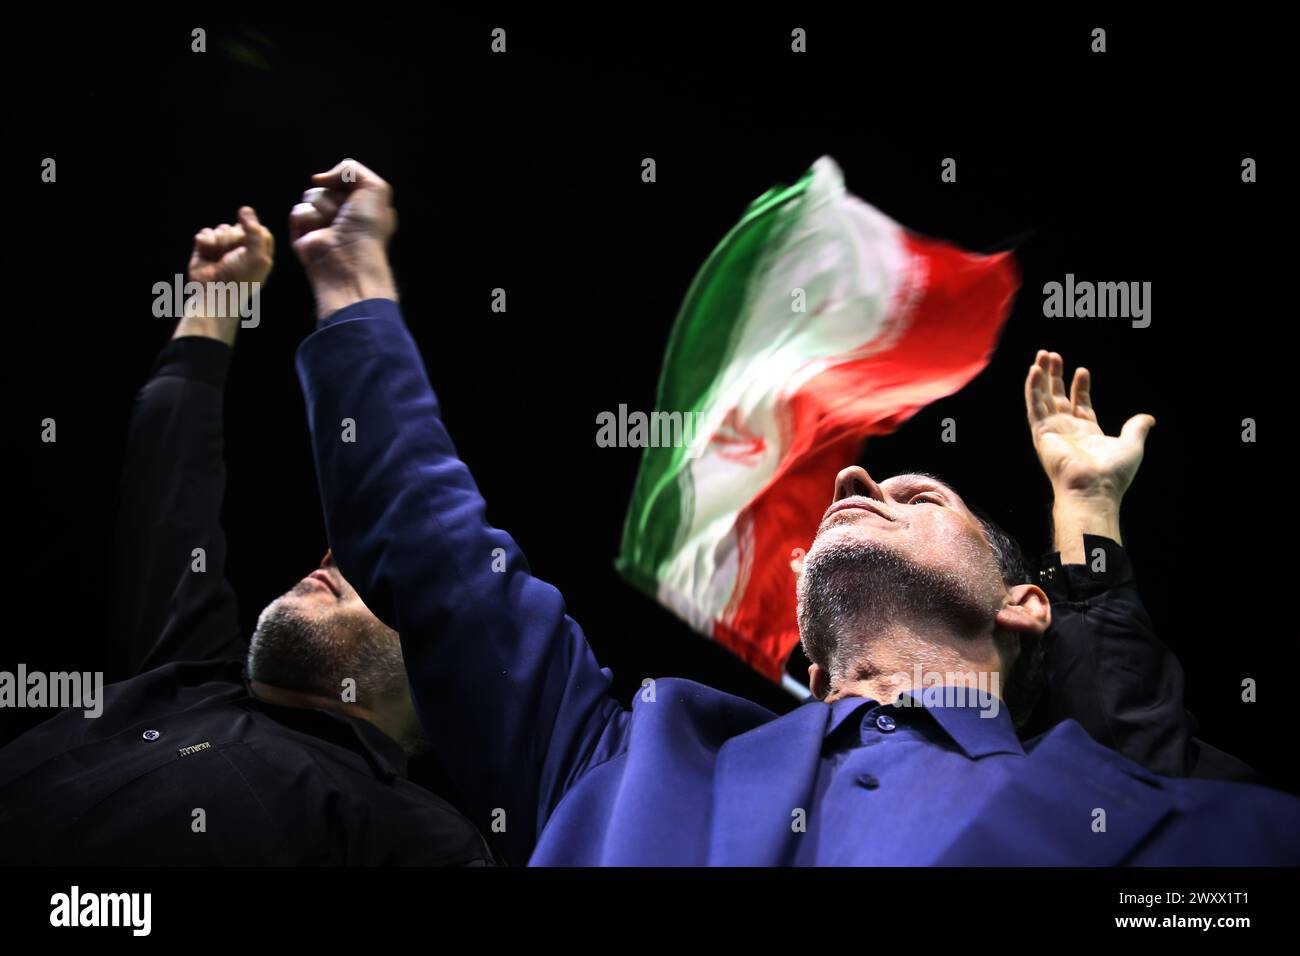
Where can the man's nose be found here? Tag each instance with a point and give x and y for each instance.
(854, 480)
(328, 560)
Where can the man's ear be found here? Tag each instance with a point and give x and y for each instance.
(819, 681)
(1026, 610)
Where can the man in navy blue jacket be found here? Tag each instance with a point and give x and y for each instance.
(902, 579)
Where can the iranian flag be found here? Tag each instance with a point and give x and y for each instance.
(816, 323)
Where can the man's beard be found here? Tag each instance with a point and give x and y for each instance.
(852, 589)
(300, 653)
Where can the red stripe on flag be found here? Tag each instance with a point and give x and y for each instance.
(956, 316)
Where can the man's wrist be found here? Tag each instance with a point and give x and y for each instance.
(210, 327)
(1075, 514)
(337, 290)
(350, 273)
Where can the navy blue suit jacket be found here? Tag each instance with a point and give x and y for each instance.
(519, 711)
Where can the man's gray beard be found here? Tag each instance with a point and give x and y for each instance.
(851, 589)
(291, 651)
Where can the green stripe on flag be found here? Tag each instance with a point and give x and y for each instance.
(699, 348)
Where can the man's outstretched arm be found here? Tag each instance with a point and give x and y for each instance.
(506, 688)
(1105, 666)
(170, 599)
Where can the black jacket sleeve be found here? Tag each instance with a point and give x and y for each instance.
(170, 600)
(1107, 669)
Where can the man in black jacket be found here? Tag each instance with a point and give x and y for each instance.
(1104, 665)
(291, 751)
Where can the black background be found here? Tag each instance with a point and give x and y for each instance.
(523, 172)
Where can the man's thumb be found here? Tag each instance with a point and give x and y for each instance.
(1136, 428)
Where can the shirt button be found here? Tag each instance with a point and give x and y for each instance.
(151, 734)
(868, 781)
(885, 723)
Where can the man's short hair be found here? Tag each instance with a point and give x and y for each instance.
(1023, 685)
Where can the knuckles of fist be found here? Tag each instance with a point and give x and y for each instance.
(348, 202)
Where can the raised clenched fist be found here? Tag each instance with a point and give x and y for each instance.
(347, 206)
(241, 253)
(340, 231)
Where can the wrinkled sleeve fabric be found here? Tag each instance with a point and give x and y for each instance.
(170, 598)
(1107, 669)
(506, 687)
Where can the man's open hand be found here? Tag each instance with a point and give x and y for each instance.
(1077, 456)
(1089, 470)
(340, 231)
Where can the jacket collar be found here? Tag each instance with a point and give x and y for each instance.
(382, 754)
